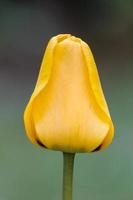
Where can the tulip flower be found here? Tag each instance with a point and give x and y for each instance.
(67, 110)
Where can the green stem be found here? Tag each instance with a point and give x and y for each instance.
(68, 175)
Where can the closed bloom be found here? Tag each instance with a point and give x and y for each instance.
(67, 110)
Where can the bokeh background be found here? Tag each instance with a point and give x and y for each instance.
(27, 172)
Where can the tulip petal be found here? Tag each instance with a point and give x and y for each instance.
(98, 96)
(43, 78)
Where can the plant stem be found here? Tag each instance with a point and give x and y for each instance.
(68, 164)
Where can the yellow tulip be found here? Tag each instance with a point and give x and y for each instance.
(67, 110)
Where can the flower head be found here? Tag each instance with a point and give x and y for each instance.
(67, 110)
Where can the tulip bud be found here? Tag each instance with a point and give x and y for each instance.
(67, 110)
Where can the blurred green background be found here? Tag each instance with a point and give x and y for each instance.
(27, 172)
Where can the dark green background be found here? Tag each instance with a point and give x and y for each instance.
(28, 172)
